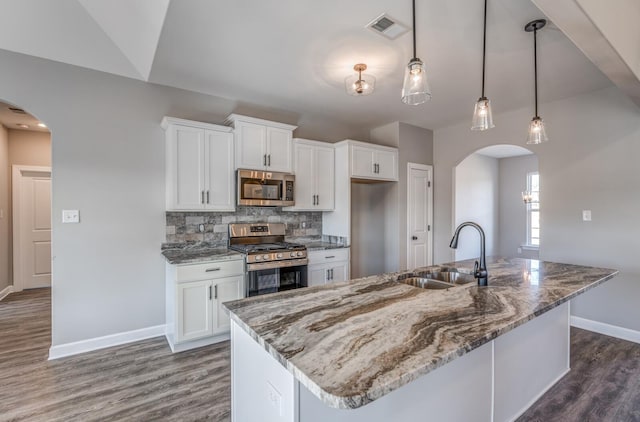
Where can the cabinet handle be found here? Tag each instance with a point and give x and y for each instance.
(331, 273)
(209, 292)
(317, 199)
(414, 237)
(269, 160)
(264, 160)
(207, 197)
(328, 274)
(202, 199)
(208, 270)
(216, 290)
(330, 256)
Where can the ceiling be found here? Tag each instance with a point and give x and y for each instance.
(293, 55)
(503, 151)
(11, 119)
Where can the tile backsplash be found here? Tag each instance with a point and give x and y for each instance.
(183, 226)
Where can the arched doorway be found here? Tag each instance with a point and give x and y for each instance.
(487, 189)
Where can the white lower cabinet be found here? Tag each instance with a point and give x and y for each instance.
(194, 297)
(328, 266)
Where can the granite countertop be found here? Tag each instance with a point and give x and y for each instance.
(353, 342)
(194, 253)
(316, 244)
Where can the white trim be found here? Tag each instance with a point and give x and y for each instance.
(233, 118)
(6, 292)
(606, 329)
(82, 346)
(166, 121)
(542, 392)
(16, 179)
(181, 347)
(429, 169)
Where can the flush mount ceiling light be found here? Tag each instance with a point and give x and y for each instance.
(22, 126)
(415, 89)
(360, 84)
(42, 125)
(537, 134)
(482, 116)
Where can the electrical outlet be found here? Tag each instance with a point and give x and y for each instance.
(586, 215)
(519, 250)
(70, 216)
(275, 398)
(303, 224)
(1, 213)
(201, 228)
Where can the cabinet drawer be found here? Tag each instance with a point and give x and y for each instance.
(328, 256)
(209, 270)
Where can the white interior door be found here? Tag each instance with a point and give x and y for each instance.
(32, 227)
(419, 215)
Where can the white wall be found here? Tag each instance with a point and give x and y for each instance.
(589, 163)
(5, 221)
(476, 200)
(512, 225)
(108, 162)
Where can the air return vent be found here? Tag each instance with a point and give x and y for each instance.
(387, 26)
(17, 110)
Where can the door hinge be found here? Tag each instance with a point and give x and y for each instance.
(429, 184)
(429, 227)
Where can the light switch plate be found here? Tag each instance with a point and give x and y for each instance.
(586, 215)
(70, 216)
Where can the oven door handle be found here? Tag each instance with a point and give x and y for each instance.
(277, 264)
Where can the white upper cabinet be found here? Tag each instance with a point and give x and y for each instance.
(199, 169)
(262, 144)
(375, 162)
(314, 167)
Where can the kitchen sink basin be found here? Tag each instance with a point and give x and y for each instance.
(426, 283)
(449, 275)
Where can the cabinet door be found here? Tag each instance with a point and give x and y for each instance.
(387, 165)
(186, 168)
(278, 149)
(324, 170)
(219, 180)
(194, 311)
(250, 145)
(225, 290)
(317, 275)
(305, 176)
(362, 160)
(340, 271)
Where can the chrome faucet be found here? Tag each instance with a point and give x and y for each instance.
(480, 269)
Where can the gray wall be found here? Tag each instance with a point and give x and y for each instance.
(512, 227)
(589, 163)
(5, 222)
(108, 162)
(476, 200)
(369, 239)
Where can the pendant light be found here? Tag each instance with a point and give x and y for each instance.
(482, 117)
(537, 134)
(415, 89)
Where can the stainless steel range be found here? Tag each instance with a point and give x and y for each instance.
(273, 265)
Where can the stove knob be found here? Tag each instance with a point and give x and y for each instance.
(279, 256)
(265, 256)
(293, 254)
(258, 257)
(300, 253)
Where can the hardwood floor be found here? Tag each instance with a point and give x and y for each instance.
(141, 381)
(144, 381)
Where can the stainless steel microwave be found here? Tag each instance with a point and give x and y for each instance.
(265, 188)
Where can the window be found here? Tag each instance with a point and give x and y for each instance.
(533, 209)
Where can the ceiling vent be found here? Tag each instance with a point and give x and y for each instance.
(387, 26)
(17, 110)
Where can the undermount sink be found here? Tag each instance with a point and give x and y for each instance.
(425, 283)
(441, 278)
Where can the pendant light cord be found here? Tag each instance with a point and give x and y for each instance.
(414, 29)
(535, 65)
(484, 45)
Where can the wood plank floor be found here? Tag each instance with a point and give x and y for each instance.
(141, 381)
(144, 381)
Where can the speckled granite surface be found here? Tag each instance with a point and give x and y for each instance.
(353, 342)
(183, 253)
(319, 245)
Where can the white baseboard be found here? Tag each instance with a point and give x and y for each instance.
(5, 292)
(68, 349)
(181, 347)
(606, 329)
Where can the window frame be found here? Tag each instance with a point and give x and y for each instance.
(532, 206)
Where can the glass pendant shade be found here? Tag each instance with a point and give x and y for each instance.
(359, 83)
(415, 89)
(482, 117)
(537, 134)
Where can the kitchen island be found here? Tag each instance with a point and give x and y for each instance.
(376, 349)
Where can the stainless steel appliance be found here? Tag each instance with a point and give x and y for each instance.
(273, 265)
(265, 188)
